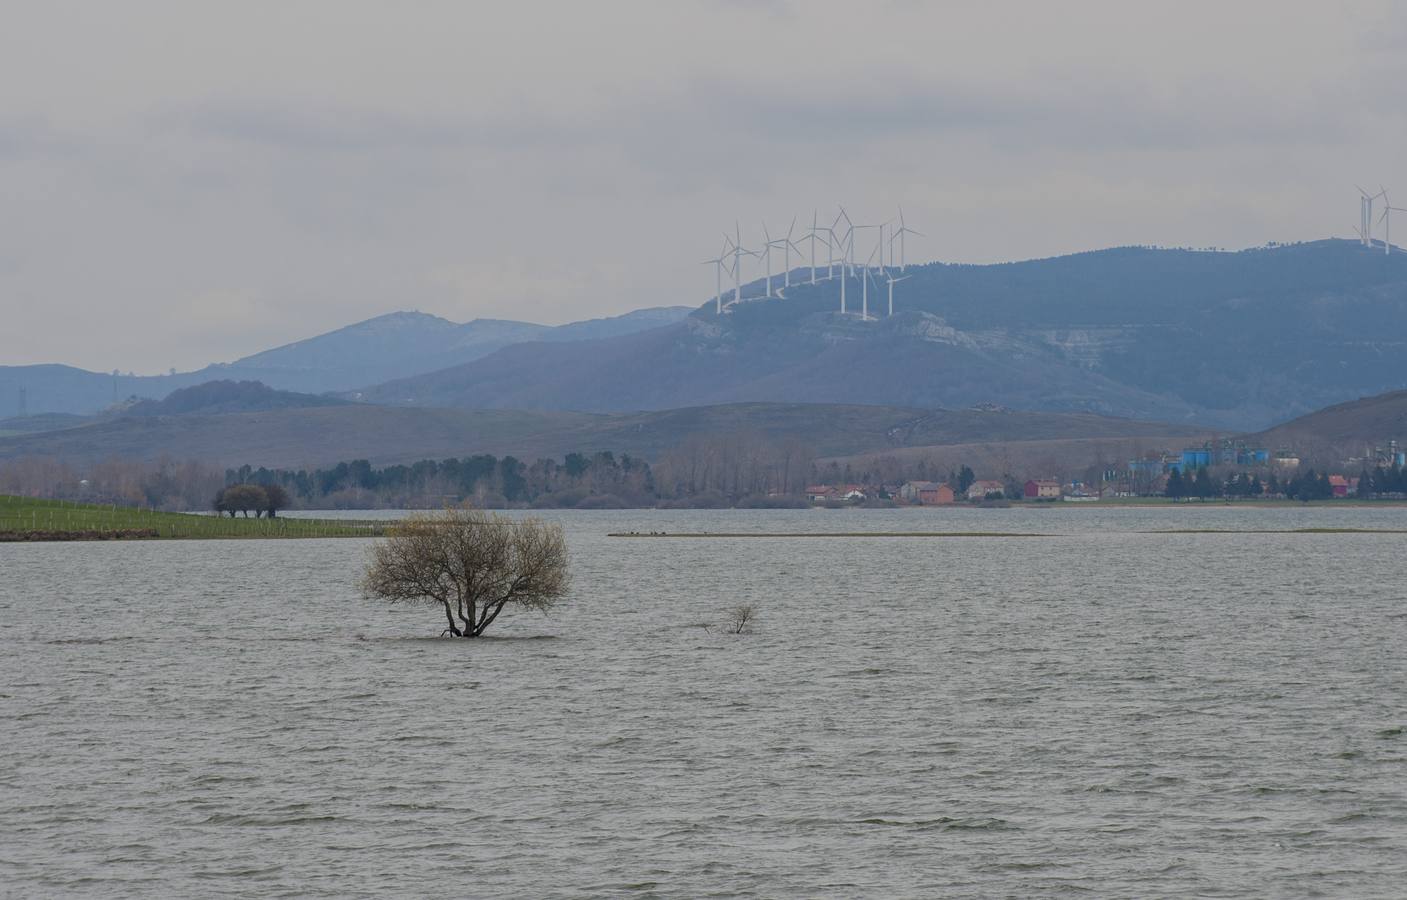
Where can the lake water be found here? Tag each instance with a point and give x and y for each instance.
(1095, 712)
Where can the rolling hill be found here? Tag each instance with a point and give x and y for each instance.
(1236, 340)
(294, 437)
(1348, 427)
(215, 397)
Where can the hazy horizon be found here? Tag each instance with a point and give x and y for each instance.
(185, 186)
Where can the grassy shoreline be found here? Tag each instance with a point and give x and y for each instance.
(24, 519)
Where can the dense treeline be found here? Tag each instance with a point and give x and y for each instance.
(1307, 485)
(720, 471)
(165, 484)
(599, 480)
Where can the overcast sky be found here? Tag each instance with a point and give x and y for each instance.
(188, 182)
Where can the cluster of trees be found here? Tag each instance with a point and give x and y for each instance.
(262, 500)
(1382, 480)
(1200, 485)
(1307, 485)
(490, 482)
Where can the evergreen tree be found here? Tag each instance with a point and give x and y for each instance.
(1202, 484)
(965, 478)
(1176, 489)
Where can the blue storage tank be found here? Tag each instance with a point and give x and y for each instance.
(1192, 459)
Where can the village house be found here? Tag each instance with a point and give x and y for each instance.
(819, 493)
(938, 495)
(980, 489)
(853, 493)
(1343, 487)
(1042, 489)
(926, 493)
(909, 491)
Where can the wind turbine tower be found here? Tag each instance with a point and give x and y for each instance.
(812, 237)
(1386, 219)
(865, 283)
(738, 253)
(767, 243)
(717, 263)
(892, 281)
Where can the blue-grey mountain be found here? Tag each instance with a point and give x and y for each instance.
(1238, 340)
(392, 346)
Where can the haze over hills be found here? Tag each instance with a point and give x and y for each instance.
(1237, 340)
(386, 347)
(1230, 340)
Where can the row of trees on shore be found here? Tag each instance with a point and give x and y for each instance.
(1390, 481)
(707, 472)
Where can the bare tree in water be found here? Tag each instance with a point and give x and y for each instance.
(740, 617)
(472, 564)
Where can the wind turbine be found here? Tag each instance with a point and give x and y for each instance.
(892, 281)
(811, 236)
(1365, 210)
(899, 233)
(832, 242)
(767, 256)
(853, 229)
(737, 254)
(879, 245)
(787, 247)
(847, 258)
(865, 284)
(1386, 219)
(717, 263)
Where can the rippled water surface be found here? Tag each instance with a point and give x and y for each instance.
(1096, 711)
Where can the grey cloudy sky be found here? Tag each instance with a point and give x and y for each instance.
(187, 182)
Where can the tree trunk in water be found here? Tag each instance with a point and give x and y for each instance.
(453, 629)
(469, 629)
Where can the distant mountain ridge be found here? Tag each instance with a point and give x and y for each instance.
(386, 347)
(1234, 340)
